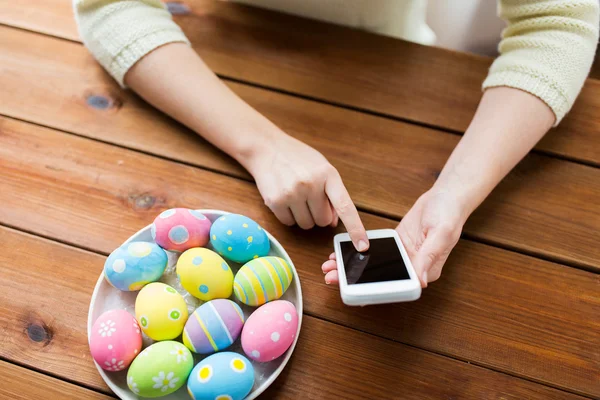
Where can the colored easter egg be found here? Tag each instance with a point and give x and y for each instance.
(115, 340)
(160, 369)
(239, 238)
(179, 229)
(214, 326)
(134, 265)
(161, 311)
(270, 331)
(205, 274)
(221, 376)
(262, 280)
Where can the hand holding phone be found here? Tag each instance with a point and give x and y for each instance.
(382, 274)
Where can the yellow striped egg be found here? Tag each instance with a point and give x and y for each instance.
(262, 280)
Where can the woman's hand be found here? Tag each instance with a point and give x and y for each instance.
(507, 124)
(297, 183)
(301, 187)
(429, 232)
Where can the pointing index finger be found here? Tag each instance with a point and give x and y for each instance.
(346, 210)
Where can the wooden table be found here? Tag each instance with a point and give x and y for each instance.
(84, 164)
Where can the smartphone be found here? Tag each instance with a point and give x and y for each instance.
(382, 274)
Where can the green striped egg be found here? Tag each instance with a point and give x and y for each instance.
(262, 280)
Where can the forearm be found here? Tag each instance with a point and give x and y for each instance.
(506, 126)
(174, 79)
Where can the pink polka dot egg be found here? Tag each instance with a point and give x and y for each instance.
(179, 229)
(270, 331)
(115, 340)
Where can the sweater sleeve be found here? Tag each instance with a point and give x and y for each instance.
(120, 32)
(547, 49)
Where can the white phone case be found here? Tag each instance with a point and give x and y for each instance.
(377, 292)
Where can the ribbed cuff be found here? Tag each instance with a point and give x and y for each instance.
(545, 91)
(131, 54)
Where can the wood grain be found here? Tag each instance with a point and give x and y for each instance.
(51, 17)
(36, 282)
(339, 65)
(19, 383)
(386, 164)
(498, 309)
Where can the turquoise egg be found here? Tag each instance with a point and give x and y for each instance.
(239, 238)
(223, 376)
(135, 264)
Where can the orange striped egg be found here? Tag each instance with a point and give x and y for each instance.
(262, 280)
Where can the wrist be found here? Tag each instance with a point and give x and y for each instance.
(465, 196)
(258, 149)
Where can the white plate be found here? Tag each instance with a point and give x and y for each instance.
(106, 298)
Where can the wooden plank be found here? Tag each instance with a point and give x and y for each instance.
(19, 383)
(51, 17)
(498, 309)
(400, 79)
(93, 102)
(45, 276)
(386, 164)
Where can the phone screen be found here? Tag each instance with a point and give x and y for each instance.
(381, 263)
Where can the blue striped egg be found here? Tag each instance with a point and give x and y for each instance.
(135, 264)
(214, 326)
(239, 238)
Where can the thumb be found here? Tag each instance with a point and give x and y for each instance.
(431, 252)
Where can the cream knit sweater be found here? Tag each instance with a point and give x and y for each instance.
(547, 48)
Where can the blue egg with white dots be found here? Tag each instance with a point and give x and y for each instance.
(238, 238)
(225, 375)
(135, 264)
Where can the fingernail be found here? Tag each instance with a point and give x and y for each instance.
(425, 276)
(362, 245)
(327, 282)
